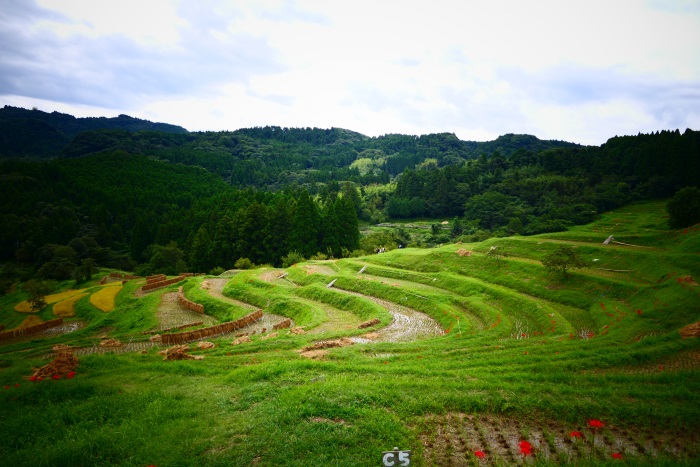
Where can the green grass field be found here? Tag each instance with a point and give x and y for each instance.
(521, 355)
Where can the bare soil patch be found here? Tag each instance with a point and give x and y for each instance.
(314, 354)
(319, 269)
(328, 344)
(271, 275)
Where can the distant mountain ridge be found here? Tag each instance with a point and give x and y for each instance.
(38, 134)
(35, 133)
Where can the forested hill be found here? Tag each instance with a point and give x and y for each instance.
(266, 157)
(162, 201)
(34, 133)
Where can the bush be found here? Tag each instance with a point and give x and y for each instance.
(293, 257)
(243, 263)
(319, 257)
(217, 271)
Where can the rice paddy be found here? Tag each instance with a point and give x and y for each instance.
(508, 364)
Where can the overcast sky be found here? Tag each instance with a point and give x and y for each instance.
(580, 71)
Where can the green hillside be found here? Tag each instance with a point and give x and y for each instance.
(474, 354)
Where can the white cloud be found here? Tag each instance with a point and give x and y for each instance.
(562, 69)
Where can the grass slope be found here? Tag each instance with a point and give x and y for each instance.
(525, 356)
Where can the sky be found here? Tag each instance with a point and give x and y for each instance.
(579, 71)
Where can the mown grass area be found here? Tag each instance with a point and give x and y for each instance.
(520, 344)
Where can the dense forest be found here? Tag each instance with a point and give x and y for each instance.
(136, 195)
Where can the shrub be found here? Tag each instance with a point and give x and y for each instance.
(562, 259)
(243, 263)
(217, 271)
(292, 258)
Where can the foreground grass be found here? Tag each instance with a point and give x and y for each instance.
(514, 350)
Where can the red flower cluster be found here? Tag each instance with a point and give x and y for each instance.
(616, 455)
(595, 424)
(56, 377)
(639, 312)
(480, 454)
(70, 374)
(525, 448)
(576, 434)
(36, 378)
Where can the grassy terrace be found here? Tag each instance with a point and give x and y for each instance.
(523, 355)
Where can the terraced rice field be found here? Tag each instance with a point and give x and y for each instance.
(104, 299)
(473, 362)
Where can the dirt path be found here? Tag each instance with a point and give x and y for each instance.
(453, 439)
(407, 325)
(170, 314)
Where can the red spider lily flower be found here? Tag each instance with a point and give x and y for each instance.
(70, 374)
(7, 387)
(480, 454)
(590, 335)
(639, 312)
(616, 455)
(16, 385)
(32, 378)
(661, 368)
(525, 448)
(56, 377)
(595, 424)
(40, 378)
(576, 434)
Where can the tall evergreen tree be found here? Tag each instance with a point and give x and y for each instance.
(280, 223)
(348, 228)
(306, 224)
(252, 232)
(199, 253)
(330, 231)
